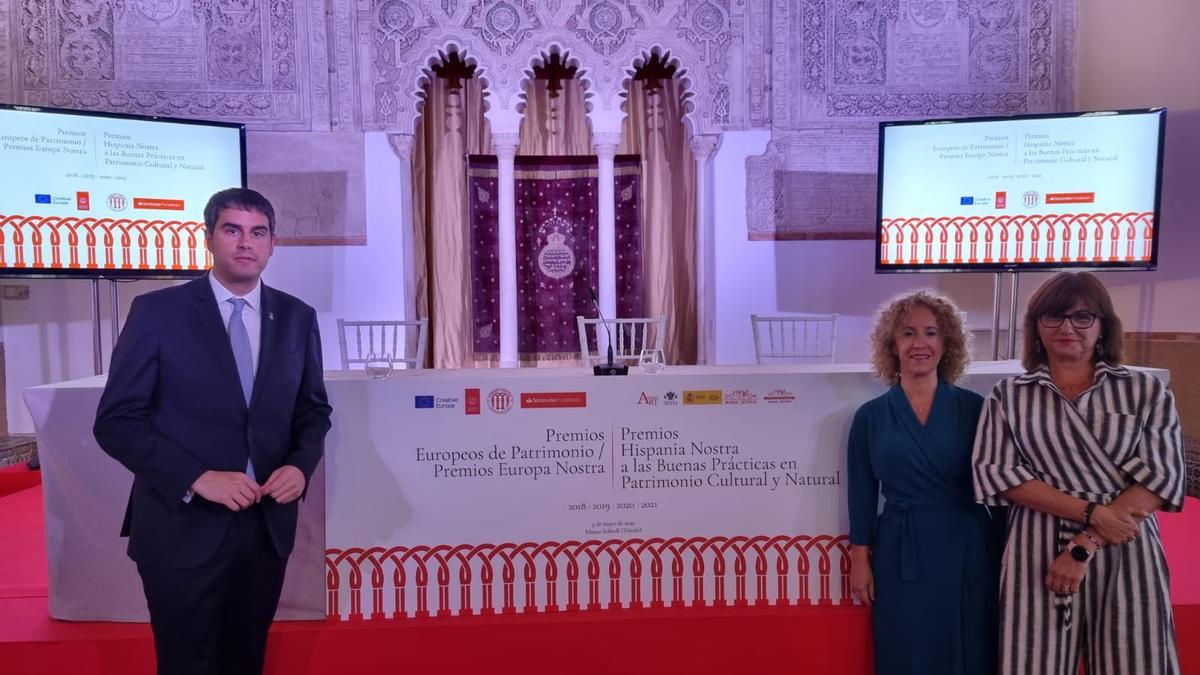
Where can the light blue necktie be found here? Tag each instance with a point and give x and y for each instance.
(239, 339)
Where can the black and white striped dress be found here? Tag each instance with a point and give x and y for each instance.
(1124, 429)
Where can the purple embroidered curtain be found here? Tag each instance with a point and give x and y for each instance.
(557, 260)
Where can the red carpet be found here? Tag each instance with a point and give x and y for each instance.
(17, 478)
(708, 640)
(22, 549)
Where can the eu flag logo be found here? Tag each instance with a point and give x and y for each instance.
(41, 199)
(423, 401)
(966, 201)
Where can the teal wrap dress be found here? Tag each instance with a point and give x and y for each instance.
(934, 551)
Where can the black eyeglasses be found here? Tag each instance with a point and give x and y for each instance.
(1082, 319)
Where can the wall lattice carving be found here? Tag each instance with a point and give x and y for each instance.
(847, 65)
(303, 65)
(243, 60)
(343, 65)
(820, 74)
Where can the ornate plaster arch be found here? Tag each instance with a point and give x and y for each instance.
(682, 74)
(506, 36)
(536, 57)
(434, 58)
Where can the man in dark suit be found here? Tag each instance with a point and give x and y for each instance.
(216, 402)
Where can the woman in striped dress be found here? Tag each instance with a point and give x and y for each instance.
(928, 564)
(1085, 451)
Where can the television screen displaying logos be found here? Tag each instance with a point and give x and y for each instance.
(1064, 191)
(98, 194)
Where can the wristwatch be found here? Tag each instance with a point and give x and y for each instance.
(1079, 553)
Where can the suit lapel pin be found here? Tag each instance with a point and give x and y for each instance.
(270, 316)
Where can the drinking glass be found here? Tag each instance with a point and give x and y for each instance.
(652, 361)
(378, 366)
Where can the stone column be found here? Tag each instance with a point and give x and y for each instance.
(703, 150)
(505, 147)
(402, 145)
(606, 211)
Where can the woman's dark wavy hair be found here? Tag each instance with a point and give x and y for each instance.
(1056, 297)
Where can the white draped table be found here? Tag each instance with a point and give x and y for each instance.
(501, 491)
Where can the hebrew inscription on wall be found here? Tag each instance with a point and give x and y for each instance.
(316, 182)
(235, 60)
(6, 65)
(851, 64)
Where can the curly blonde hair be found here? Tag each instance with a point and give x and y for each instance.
(951, 324)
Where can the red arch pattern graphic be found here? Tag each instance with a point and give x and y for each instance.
(1097, 237)
(442, 580)
(107, 244)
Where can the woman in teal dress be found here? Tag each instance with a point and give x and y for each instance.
(928, 564)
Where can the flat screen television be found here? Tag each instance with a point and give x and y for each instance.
(1031, 192)
(90, 194)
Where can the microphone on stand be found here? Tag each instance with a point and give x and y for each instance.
(609, 368)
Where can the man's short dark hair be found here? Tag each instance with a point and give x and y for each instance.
(237, 198)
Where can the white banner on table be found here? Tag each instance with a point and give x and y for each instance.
(480, 493)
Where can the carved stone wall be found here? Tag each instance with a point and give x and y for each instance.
(316, 182)
(253, 61)
(322, 65)
(819, 73)
(6, 67)
(841, 66)
(503, 37)
(325, 65)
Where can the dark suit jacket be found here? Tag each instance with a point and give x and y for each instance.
(173, 408)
